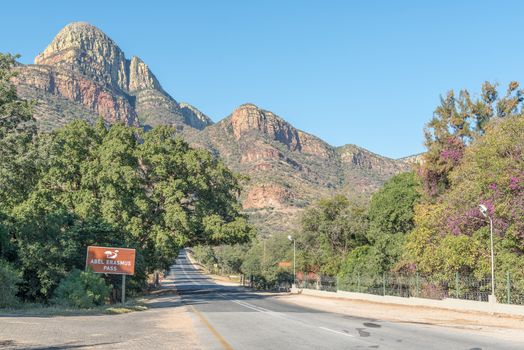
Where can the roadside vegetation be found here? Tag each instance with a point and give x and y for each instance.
(114, 185)
(108, 185)
(424, 224)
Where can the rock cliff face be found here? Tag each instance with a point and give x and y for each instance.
(85, 49)
(83, 65)
(415, 159)
(193, 117)
(249, 118)
(42, 82)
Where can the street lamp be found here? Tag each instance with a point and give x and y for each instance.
(294, 259)
(484, 211)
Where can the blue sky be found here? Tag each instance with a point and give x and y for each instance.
(362, 72)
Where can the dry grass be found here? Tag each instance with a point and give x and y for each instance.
(42, 310)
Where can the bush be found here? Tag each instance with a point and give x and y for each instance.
(8, 285)
(82, 289)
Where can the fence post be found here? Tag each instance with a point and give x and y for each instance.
(417, 284)
(508, 286)
(358, 282)
(383, 283)
(457, 280)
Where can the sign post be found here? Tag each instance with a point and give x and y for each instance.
(116, 261)
(123, 289)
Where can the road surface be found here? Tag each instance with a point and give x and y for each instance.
(232, 318)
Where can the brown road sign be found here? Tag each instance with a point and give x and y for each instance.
(118, 261)
(284, 264)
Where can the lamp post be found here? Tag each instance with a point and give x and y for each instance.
(484, 211)
(294, 259)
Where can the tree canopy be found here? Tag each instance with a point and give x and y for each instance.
(451, 235)
(103, 184)
(458, 121)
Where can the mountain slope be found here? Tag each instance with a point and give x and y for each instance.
(83, 74)
(288, 168)
(83, 65)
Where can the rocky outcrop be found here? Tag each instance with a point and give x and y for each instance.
(194, 117)
(267, 196)
(248, 118)
(413, 160)
(260, 152)
(140, 77)
(82, 64)
(85, 49)
(354, 156)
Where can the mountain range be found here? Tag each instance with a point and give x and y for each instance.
(83, 74)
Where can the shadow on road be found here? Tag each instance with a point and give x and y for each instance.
(12, 345)
(198, 289)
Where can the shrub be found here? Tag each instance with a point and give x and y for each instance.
(82, 289)
(8, 285)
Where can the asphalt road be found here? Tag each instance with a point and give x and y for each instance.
(233, 318)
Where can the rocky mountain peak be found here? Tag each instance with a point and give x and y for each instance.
(83, 65)
(194, 117)
(84, 48)
(248, 118)
(140, 77)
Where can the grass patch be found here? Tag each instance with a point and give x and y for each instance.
(42, 310)
(124, 309)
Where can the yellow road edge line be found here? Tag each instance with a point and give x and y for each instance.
(217, 335)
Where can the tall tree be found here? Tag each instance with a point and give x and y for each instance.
(16, 155)
(456, 122)
(452, 235)
(121, 186)
(329, 230)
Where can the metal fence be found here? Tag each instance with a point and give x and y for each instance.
(508, 289)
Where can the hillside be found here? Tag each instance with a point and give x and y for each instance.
(84, 66)
(83, 74)
(288, 168)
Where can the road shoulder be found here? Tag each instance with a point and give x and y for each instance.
(166, 324)
(482, 323)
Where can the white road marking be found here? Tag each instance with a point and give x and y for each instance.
(338, 332)
(266, 311)
(187, 276)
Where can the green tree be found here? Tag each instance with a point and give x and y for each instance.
(82, 289)
(15, 114)
(16, 153)
(329, 231)
(147, 191)
(456, 123)
(9, 279)
(262, 260)
(391, 208)
(451, 235)
(16, 133)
